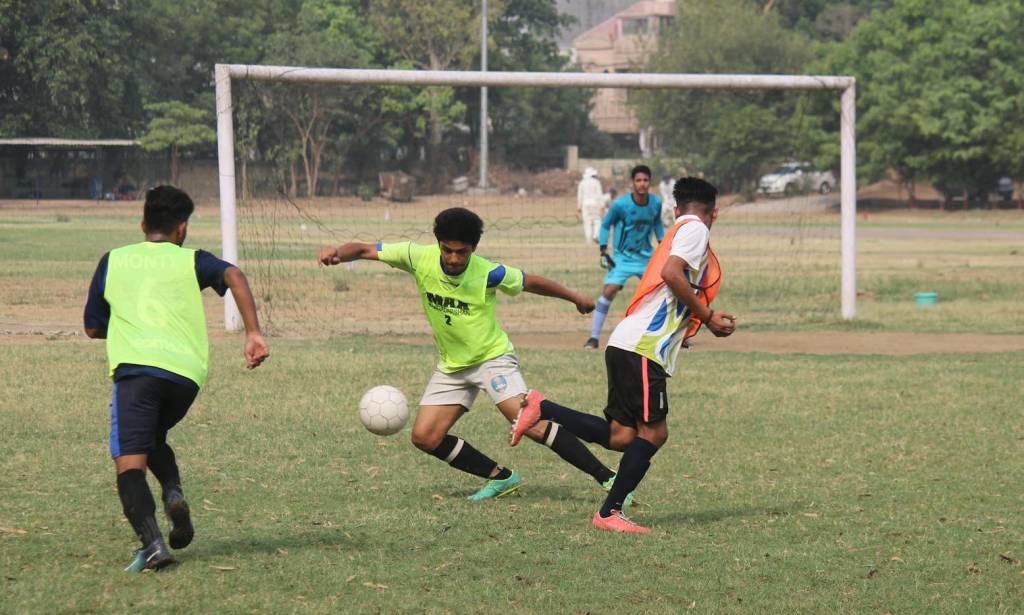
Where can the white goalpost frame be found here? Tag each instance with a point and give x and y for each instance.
(224, 73)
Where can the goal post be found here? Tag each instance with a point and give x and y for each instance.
(226, 73)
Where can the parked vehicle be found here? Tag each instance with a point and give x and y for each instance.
(1004, 188)
(796, 178)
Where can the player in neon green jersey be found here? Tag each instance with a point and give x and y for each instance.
(458, 292)
(145, 301)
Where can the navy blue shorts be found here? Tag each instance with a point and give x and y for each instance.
(143, 409)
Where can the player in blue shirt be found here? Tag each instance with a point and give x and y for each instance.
(634, 217)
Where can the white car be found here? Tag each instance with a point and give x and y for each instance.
(795, 178)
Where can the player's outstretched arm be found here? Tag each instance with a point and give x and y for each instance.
(347, 253)
(256, 350)
(722, 324)
(539, 285)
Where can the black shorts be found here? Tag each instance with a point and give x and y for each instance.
(143, 409)
(636, 388)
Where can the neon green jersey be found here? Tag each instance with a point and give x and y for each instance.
(460, 309)
(156, 310)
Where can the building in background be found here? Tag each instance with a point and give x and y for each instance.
(619, 44)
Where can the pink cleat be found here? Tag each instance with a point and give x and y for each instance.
(528, 416)
(618, 522)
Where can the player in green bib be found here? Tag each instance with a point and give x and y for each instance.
(458, 291)
(145, 301)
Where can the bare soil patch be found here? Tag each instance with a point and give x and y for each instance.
(808, 342)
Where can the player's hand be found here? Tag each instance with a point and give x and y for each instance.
(256, 350)
(606, 261)
(722, 324)
(584, 305)
(328, 256)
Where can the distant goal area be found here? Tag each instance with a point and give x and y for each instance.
(293, 178)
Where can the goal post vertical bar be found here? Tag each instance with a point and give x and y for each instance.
(848, 201)
(226, 172)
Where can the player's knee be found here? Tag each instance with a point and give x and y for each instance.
(618, 441)
(426, 440)
(656, 434)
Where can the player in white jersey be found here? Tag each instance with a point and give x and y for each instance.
(673, 298)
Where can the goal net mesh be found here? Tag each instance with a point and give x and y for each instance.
(780, 255)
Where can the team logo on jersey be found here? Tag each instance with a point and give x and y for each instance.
(447, 305)
(499, 384)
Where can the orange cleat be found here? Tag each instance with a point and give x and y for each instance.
(528, 416)
(618, 522)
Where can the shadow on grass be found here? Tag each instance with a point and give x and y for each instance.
(313, 539)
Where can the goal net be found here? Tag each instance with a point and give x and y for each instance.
(780, 254)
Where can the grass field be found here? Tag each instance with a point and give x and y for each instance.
(790, 483)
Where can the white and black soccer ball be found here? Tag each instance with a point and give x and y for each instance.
(383, 410)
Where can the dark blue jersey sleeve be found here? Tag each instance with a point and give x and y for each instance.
(97, 310)
(210, 272)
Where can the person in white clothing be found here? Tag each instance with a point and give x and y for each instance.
(674, 296)
(590, 204)
(668, 202)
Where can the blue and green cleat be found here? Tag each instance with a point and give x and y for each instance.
(153, 557)
(497, 488)
(607, 486)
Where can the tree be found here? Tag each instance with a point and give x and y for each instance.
(438, 35)
(532, 125)
(66, 69)
(175, 126)
(324, 121)
(727, 135)
(939, 91)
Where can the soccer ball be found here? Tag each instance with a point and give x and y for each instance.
(383, 410)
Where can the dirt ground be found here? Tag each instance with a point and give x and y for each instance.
(818, 342)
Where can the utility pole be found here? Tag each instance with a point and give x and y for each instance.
(483, 96)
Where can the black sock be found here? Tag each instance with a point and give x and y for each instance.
(162, 464)
(461, 455)
(138, 506)
(569, 448)
(585, 426)
(635, 461)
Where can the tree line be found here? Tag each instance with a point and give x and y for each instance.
(940, 85)
(940, 89)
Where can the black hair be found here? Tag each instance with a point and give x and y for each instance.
(694, 190)
(458, 224)
(641, 168)
(166, 207)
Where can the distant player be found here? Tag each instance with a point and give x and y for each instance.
(458, 292)
(145, 301)
(590, 204)
(668, 202)
(673, 299)
(634, 217)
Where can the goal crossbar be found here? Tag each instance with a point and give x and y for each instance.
(224, 73)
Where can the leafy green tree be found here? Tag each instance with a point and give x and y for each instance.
(532, 125)
(324, 122)
(940, 91)
(438, 35)
(727, 135)
(66, 69)
(174, 126)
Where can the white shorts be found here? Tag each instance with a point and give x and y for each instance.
(500, 377)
